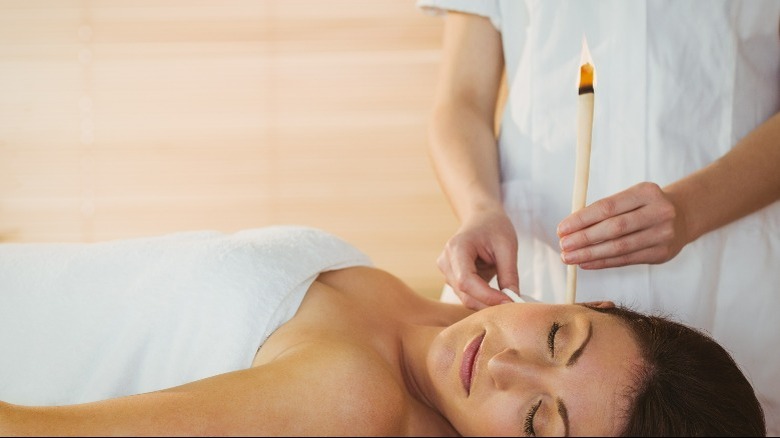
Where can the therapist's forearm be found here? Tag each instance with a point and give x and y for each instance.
(741, 182)
(462, 139)
(465, 158)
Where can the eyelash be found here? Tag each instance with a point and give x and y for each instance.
(551, 337)
(529, 420)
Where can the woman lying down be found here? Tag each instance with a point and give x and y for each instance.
(290, 331)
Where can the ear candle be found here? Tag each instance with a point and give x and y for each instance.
(584, 129)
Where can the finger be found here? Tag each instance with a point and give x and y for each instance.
(468, 280)
(443, 263)
(644, 256)
(600, 210)
(478, 289)
(621, 246)
(485, 270)
(454, 280)
(469, 301)
(506, 268)
(609, 229)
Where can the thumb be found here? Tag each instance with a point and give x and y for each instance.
(506, 269)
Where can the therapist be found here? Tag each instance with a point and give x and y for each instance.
(684, 170)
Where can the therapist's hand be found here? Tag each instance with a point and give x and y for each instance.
(484, 246)
(640, 225)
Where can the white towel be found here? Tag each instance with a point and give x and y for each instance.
(85, 322)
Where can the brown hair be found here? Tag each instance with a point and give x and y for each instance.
(689, 386)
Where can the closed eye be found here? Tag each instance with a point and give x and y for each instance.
(529, 420)
(551, 338)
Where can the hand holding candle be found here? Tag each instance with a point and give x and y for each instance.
(585, 102)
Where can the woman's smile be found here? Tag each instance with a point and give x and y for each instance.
(469, 362)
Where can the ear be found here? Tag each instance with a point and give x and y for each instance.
(599, 304)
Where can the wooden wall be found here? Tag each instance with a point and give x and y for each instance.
(123, 118)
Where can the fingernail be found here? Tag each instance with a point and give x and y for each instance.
(565, 243)
(562, 229)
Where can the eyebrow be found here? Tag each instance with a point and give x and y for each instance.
(564, 416)
(562, 411)
(578, 352)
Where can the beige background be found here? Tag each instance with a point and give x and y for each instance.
(124, 118)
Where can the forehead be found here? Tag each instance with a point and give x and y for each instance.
(605, 378)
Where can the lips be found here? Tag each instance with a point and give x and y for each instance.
(470, 355)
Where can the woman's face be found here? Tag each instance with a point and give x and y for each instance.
(535, 369)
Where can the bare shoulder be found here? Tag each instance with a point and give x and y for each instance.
(338, 388)
(361, 276)
(375, 289)
(372, 286)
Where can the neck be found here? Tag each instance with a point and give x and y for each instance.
(415, 342)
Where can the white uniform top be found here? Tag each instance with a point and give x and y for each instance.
(677, 85)
(82, 322)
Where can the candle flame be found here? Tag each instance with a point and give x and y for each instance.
(587, 71)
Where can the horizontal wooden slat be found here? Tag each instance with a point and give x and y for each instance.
(126, 118)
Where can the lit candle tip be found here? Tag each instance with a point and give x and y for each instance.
(587, 72)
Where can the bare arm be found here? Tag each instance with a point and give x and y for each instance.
(462, 139)
(741, 182)
(303, 393)
(647, 224)
(465, 157)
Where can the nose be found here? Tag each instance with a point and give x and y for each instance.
(510, 369)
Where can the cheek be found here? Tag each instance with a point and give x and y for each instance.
(524, 322)
(440, 362)
(498, 416)
(534, 313)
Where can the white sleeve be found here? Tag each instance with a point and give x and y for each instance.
(485, 8)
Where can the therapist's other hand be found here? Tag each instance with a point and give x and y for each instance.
(640, 225)
(484, 246)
